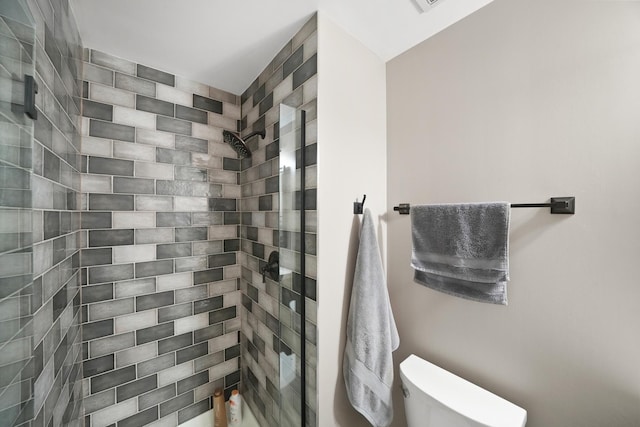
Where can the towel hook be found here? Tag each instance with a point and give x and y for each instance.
(358, 206)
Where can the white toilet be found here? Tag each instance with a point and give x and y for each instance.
(434, 397)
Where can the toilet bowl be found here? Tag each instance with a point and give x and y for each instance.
(434, 397)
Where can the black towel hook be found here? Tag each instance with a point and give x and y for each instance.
(358, 206)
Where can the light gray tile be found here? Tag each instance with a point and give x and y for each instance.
(156, 235)
(154, 203)
(108, 345)
(109, 309)
(112, 62)
(96, 74)
(157, 364)
(134, 84)
(126, 150)
(135, 287)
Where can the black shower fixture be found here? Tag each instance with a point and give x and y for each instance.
(239, 144)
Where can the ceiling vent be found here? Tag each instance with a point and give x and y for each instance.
(427, 5)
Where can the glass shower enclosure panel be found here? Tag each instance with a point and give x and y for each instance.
(292, 218)
(17, 61)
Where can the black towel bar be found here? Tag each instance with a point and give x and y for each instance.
(558, 205)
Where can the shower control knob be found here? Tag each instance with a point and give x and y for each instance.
(272, 267)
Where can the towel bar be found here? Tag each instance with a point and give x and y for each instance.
(558, 205)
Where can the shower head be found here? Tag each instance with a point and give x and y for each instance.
(239, 144)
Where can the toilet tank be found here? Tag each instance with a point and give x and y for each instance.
(437, 398)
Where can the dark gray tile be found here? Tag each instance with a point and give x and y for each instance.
(110, 273)
(97, 293)
(176, 404)
(113, 379)
(160, 395)
(133, 185)
(90, 257)
(310, 155)
(266, 104)
(192, 382)
(154, 268)
(293, 62)
(272, 150)
(165, 155)
(51, 166)
(153, 105)
(97, 110)
(110, 237)
(232, 352)
(208, 304)
(220, 260)
(101, 202)
(190, 234)
(191, 353)
(51, 224)
(191, 114)
(252, 233)
(306, 71)
(110, 130)
(173, 250)
(97, 366)
(193, 411)
(173, 219)
(188, 143)
(134, 84)
(221, 315)
(272, 184)
(219, 204)
(233, 378)
(95, 330)
(265, 203)
(207, 276)
(257, 250)
(95, 402)
(140, 419)
(231, 245)
(231, 164)
(231, 218)
(156, 75)
(258, 95)
(95, 220)
(154, 333)
(207, 333)
(208, 104)
(106, 166)
(174, 312)
(174, 343)
(136, 388)
(167, 124)
(159, 299)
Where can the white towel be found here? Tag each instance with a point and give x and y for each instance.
(371, 334)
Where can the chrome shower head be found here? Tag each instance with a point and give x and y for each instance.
(239, 144)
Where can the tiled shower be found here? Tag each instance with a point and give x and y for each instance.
(133, 237)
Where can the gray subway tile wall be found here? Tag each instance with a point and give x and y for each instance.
(161, 312)
(40, 372)
(270, 327)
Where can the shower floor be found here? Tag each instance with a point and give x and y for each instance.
(206, 419)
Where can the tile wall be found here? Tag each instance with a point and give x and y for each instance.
(40, 364)
(160, 241)
(270, 328)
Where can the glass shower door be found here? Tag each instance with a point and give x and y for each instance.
(292, 219)
(17, 41)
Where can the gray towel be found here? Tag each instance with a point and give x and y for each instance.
(462, 249)
(371, 334)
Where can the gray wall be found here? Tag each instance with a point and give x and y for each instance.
(269, 325)
(521, 101)
(160, 239)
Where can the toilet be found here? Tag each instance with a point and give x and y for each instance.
(434, 397)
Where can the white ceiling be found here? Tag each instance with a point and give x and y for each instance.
(227, 43)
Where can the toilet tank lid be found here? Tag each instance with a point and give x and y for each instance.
(460, 395)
